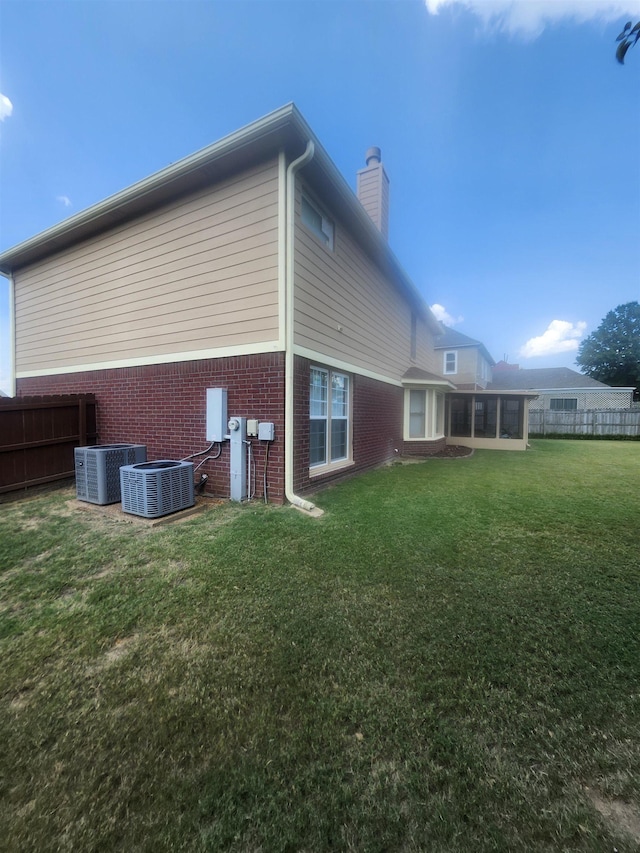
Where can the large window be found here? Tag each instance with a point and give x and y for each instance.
(417, 414)
(329, 407)
(424, 414)
(567, 404)
(316, 221)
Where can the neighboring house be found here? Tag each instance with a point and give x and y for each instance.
(249, 266)
(477, 415)
(465, 361)
(561, 389)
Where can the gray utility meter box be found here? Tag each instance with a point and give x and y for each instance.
(98, 470)
(216, 414)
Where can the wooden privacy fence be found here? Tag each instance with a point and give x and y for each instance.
(613, 422)
(38, 436)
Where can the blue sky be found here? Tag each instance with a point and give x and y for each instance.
(509, 132)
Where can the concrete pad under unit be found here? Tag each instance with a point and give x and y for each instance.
(114, 511)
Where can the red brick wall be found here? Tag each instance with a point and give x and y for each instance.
(377, 427)
(164, 407)
(423, 448)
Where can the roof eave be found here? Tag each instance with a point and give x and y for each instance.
(285, 128)
(161, 186)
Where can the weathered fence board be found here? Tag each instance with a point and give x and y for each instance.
(38, 436)
(604, 422)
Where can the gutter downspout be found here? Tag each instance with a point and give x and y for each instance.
(294, 500)
(12, 336)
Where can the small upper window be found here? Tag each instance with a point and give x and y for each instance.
(451, 362)
(317, 222)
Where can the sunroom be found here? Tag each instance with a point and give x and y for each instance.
(488, 420)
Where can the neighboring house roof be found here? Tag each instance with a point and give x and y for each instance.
(285, 129)
(452, 339)
(544, 379)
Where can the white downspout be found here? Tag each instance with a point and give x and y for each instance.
(293, 167)
(12, 336)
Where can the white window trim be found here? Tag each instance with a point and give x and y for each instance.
(454, 353)
(344, 462)
(432, 433)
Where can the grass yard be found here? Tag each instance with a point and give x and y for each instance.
(448, 660)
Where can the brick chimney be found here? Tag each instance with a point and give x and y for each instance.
(373, 190)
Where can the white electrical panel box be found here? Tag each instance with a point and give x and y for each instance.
(252, 427)
(216, 414)
(266, 431)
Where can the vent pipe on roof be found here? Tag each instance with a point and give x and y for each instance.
(373, 190)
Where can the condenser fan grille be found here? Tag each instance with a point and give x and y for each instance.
(153, 489)
(98, 470)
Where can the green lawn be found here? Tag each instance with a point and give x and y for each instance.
(447, 660)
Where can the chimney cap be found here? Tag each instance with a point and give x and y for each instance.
(373, 154)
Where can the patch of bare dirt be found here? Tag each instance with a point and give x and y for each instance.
(119, 649)
(621, 816)
(453, 451)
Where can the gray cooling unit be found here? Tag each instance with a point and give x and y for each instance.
(98, 470)
(152, 489)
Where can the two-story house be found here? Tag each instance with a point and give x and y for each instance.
(249, 266)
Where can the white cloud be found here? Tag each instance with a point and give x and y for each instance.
(64, 199)
(6, 107)
(441, 314)
(560, 336)
(528, 18)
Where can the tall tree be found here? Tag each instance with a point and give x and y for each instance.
(611, 354)
(627, 38)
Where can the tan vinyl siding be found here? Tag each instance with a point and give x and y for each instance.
(467, 365)
(200, 273)
(346, 308)
(470, 367)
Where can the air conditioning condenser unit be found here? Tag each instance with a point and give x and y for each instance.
(98, 470)
(153, 489)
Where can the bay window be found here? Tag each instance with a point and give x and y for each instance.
(424, 414)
